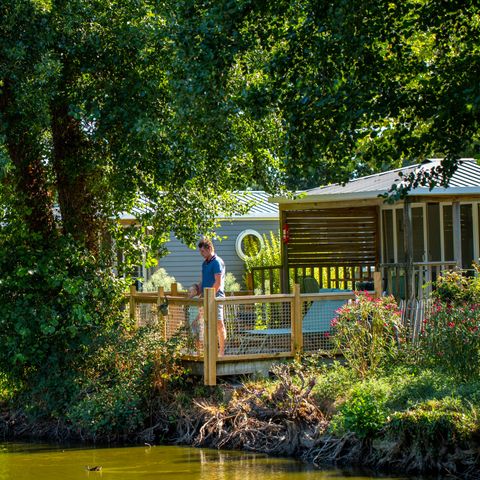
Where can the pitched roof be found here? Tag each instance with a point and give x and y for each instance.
(465, 180)
(261, 209)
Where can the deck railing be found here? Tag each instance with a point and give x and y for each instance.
(264, 280)
(399, 279)
(259, 327)
(267, 279)
(412, 281)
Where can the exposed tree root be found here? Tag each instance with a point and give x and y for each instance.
(284, 422)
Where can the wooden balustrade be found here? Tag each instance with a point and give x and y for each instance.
(413, 281)
(276, 323)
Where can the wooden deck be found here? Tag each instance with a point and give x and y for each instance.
(261, 329)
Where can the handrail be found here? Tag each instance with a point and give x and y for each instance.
(277, 322)
(272, 270)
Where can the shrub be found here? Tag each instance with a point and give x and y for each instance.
(368, 331)
(160, 278)
(363, 412)
(120, 384)
(455, 288)
(450, 339)
(231, 284)
(57, 304)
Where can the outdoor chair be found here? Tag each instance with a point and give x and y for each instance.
(316, 326)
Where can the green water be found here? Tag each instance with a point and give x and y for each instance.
(44, 462)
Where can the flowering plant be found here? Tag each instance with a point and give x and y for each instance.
(455, 288)
(368, 331)
(450, 338)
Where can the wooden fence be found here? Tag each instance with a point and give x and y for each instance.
(260, 328)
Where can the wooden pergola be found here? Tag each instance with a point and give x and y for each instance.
(339, 246)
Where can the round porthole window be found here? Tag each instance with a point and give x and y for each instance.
(249, 244)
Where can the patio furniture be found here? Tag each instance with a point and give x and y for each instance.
(316, 323)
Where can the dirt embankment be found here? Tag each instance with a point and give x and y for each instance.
(285, 421)
(288, 422)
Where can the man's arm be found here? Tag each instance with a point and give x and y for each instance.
(218, 282)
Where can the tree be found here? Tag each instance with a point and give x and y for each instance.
(339, 89)
(90, 127)
(87, 123)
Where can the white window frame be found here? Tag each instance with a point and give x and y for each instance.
(241, 236)
(394, 209)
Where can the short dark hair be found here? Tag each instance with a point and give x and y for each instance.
(205, 243)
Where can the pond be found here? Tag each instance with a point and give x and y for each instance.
(33, 461)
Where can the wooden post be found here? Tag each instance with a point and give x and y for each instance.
(457, 233)
(249, 281)
(174, 289)
(377, 281)
(133, 303)
(297, 334)
(389, 272)
(284, 276)
(408, 245)
(210, 348)
(161, 318)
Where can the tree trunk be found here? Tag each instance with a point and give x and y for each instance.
(33, 197)
(76, 179)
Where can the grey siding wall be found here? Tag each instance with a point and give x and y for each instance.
(185, 264)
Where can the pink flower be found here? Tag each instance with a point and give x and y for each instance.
(451, 324)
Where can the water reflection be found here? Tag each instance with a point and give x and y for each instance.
(44, 462)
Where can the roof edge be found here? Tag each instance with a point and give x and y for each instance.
(335, 197)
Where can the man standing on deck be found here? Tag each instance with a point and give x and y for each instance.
(213, 275)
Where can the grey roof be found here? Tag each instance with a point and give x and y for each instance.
(261, 208)
(465, 180)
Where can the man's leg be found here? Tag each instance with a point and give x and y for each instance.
(221, 332)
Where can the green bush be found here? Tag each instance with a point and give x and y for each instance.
(364, 411)
(122, 381)
(231, 284)
(368, 332)
(455, 289)
(57, 304)
(160, 278)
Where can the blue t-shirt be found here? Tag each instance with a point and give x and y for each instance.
(211, 268)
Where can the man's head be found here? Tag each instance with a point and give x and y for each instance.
(206, 248)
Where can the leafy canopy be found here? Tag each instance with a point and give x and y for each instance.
(334, 90)
(92, 120)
